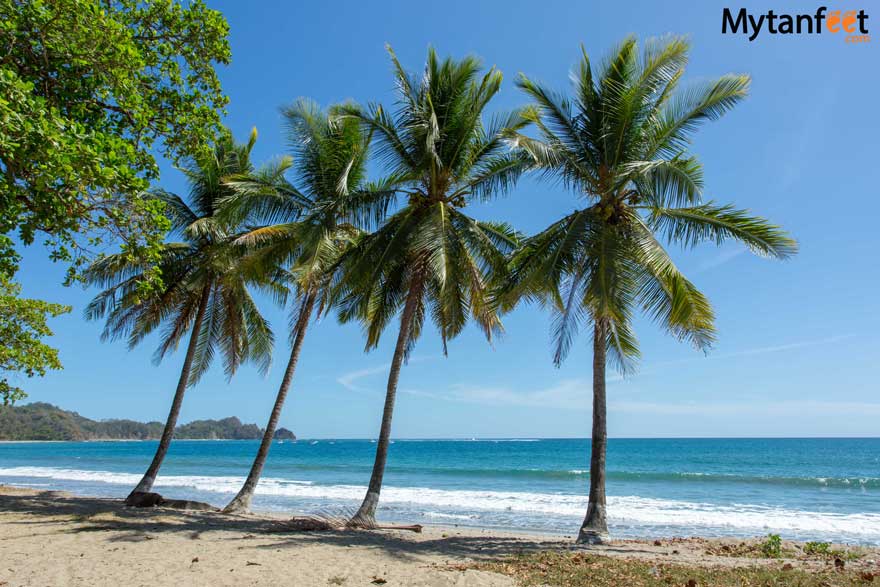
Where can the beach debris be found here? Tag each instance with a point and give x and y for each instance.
(867, 577)
(252, 564)
(195, 560)
(313, 524)
(325, 522)
(143, 499)
(378, 581)
(417, 528)
(787, 567)
(691, 583)
(658, 543)
(839, 563)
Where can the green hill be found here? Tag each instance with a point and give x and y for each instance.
(42, 421)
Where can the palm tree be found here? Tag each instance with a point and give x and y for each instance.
(313, 224)
(204, 293)
(620, 143)
(429, 255)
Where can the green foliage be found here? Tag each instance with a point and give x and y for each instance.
(574, 569)
(42, 421)
(442, 156)
(302, 228)
(825, 550)
(205, 268)
(227, 428)
(89, 90)
(22, 328)
(817, 548)
(771, 547)
(620, 142)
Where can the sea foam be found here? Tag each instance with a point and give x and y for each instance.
(625, 511)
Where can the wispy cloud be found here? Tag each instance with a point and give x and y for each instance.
(721, 258)
(782, 408)
(350, 380)
(570, 394)
(763, 350)
(576, 394)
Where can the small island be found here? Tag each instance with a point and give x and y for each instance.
(284, 434)
(43, 421)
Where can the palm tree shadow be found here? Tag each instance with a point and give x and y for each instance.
(125, 524)
(64, 513)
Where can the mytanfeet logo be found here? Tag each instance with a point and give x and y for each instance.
(852, 23)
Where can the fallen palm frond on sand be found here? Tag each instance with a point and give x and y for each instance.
(328, 521)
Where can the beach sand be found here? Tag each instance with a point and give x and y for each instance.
(56, 539)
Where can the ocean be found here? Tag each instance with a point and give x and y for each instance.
(806, 489)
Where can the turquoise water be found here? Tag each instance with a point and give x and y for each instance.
(811, 489)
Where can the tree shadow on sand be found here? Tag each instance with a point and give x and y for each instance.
(126, 524)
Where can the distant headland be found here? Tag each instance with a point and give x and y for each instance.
(42, 421)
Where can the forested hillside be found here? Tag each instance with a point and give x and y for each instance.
(42, 421)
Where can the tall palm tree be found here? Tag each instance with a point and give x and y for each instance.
(310, 225)
(204, 291)
(621, 144)
(429, 255)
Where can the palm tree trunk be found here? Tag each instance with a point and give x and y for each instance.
(242, 501)
(594, 530)
(146, 482)
(366, 515)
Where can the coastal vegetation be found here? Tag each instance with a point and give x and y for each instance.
(90, 94)
(429, 257)
(23, 324)
(42, 421)
(620, 144)
(93, 92)
(311, 223)
(572, 569)
(205, 293)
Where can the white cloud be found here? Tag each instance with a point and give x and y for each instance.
(753, 351)
(350, 380)
(569, 394)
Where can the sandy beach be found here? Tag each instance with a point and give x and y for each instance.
(54, 538)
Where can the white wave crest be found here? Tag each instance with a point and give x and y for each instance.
(623, 510)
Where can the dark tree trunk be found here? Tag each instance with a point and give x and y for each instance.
(366, 515)
(594, 530)
(146, 483)
(242, 501)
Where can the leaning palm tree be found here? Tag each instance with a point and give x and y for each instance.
(621, 144)
(311, 225)
(430, 256)
(204, 292)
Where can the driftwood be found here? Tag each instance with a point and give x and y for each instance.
(324, 523)
(141, 499)
(417, 528)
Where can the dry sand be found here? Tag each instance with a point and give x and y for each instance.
(55, 539)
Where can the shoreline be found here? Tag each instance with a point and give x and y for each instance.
(408, 507)
(53, 538)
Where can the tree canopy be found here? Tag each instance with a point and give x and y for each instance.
(90, 91)
(22, 326)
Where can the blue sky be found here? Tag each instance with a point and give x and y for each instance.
(798, 349)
